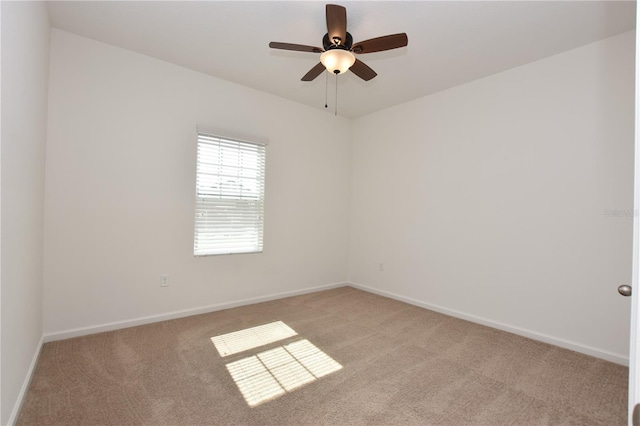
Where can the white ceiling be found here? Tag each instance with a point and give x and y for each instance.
(450, 42)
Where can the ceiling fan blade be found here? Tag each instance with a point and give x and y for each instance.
(296, 47)
(379, 44)
(362, 70)
(336, 23)
(314, 72)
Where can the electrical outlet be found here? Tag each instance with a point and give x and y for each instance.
(164, 280)
(381, 267)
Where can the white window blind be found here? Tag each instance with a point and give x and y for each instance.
(229, 196)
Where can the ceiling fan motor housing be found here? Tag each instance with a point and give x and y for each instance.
(344, 44)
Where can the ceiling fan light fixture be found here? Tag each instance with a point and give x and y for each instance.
(337, 61)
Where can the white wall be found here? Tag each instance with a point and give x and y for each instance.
(25, 63)
(489, 200)
(120, 189)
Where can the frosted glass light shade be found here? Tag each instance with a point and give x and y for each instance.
(337, 60)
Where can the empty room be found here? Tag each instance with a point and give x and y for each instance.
(311, 213)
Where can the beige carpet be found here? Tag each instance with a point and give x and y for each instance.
(400, 365)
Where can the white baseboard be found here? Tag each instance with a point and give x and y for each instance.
(25, 385)
(83, 331)
(577, 347)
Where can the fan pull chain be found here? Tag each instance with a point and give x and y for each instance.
(326, 88)
(336, 113)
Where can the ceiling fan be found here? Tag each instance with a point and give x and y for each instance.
(338, 47)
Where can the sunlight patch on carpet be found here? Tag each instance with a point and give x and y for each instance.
(270, 374)
(249, 338)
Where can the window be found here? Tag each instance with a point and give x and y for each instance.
(229, 196)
